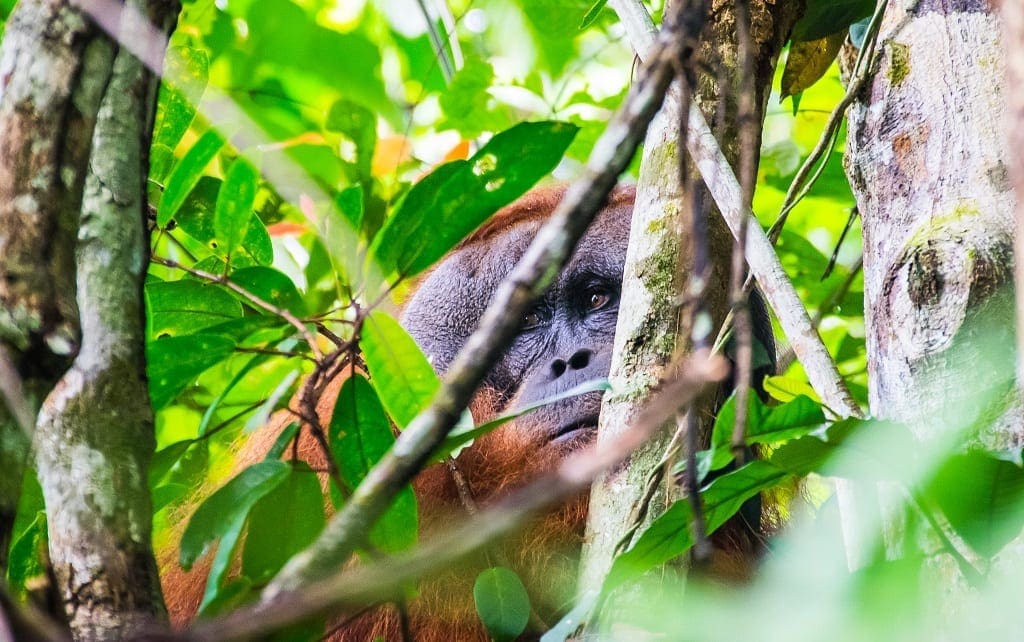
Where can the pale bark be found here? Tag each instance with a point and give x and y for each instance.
(44, 138)
(652, 325)
(927, 161)
(1013, 31)
(75, 115)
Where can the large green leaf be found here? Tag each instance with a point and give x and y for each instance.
(282, 523)
(186, 70)
(175, 362)
(224, 512)
(359, 125)
(502, 603)
(981, 494)
(400, 372)
(186, 175)
(671, 534)
(826, 17)
(234, 206)
(360, 430)
(360, 434)
(176, 308)
(442, 209)
(765, 424)
(197, 219)
(271, 286)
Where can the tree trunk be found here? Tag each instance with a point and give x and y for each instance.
(652, 325)
(927, 161)
(76, 115)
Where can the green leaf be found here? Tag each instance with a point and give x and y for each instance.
(282, 441)
(592, 14)
(227, 598)
(28, 554)
(234, 206)
(502, 603)
(981, 493)
(175, 362)
(224, 512)
(282, 523)
(197, 219)
(671, 534)
(441, 210)
(400, 372)
(826, 17)
(270, 285)
(786, 389)
(340, 232)
(186, 175)
(359, 125)
(186, 71)
(360, 430)
(667, 537)
(216, 586)
(360, 434)
(724, 496)
(466, 101)
(176, 308)
(765, 425)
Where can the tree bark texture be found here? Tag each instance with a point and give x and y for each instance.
(653, 324)
(46, 121)
(76, 113)
(927, 160)
(1012, 12)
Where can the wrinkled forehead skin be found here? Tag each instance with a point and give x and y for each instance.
(447, 306)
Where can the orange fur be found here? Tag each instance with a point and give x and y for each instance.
(544, 554)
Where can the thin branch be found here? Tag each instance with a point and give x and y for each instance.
(764, 263)
(255, 300)
(500, 323)
(437, 41)
(701, 328)
(748, 153)
(834, 299)
(385, 580)
(801, 186)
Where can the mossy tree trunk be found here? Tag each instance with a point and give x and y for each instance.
(927, 157)
(654, 325)
(927, 160)
(76, 112)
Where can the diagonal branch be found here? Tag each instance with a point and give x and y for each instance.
(764, 263)
(543, 260)
(355, 588)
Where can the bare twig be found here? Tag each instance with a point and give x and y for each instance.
(222, 279)
(801, 186)
(701, 329)
(384, 580)
(749, 143)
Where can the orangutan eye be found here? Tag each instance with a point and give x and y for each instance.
(531, 320)
(597, 300)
